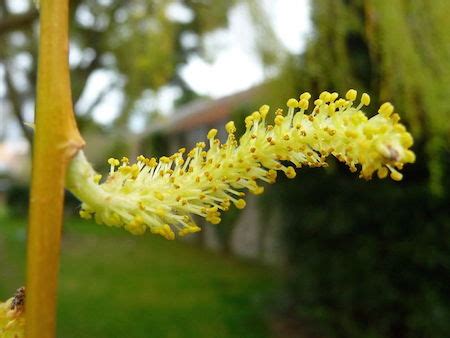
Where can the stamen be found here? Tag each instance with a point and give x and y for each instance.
(162, 195)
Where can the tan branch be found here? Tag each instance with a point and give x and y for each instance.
(56, 141)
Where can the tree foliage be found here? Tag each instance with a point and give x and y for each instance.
(137, 42)
(373, 260)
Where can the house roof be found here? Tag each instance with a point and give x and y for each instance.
(202, 112)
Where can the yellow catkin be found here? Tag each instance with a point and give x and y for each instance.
(12, 316)
(163, 195)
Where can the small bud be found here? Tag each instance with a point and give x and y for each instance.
(230, 127)
(264, 110)
(325, 96)
(292, 103)
(305, 96)
(365, 99)
(386, 109)
(212, 133)
(256, 116)
(290, 172)
(303, 104)
(113, 162)
(240, 204)
(396, 176)
(278, 120)
(382, 172)
(351, 95)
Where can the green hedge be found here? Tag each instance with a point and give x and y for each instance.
(367, 259)
(17, 201)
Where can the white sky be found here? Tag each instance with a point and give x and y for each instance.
(236, 67)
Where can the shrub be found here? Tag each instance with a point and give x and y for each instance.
(367, 260)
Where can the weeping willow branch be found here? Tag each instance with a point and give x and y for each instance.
(161, 195)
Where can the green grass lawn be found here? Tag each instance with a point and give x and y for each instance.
(113, 284)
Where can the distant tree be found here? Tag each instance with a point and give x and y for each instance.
(137, 41)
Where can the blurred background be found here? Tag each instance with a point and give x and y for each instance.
(323, 255)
